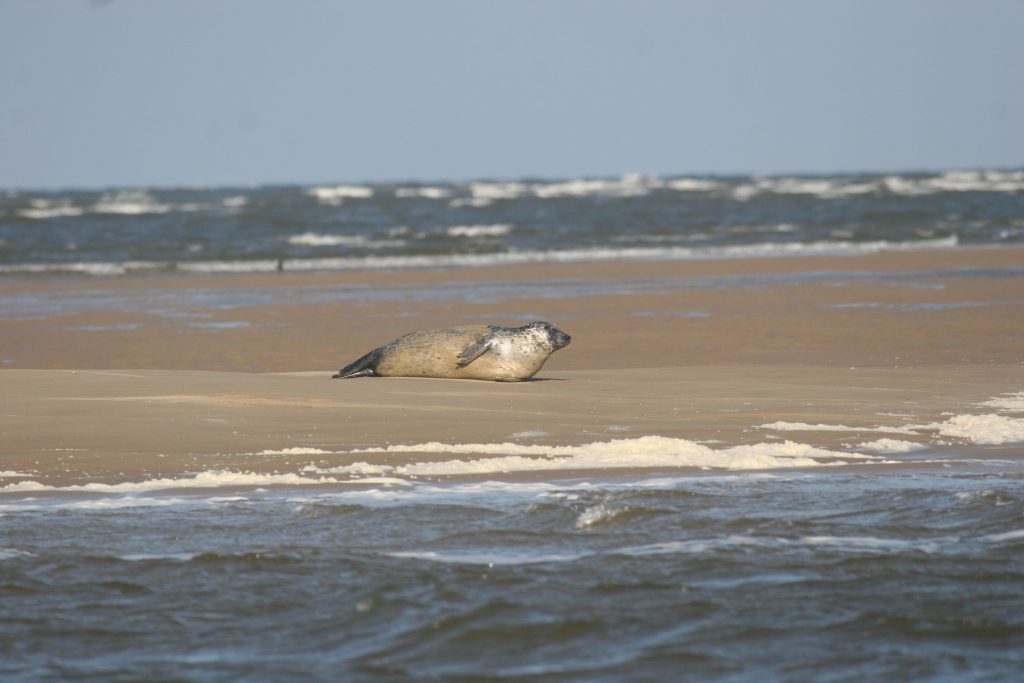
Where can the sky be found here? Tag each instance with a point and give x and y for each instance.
(98, 93)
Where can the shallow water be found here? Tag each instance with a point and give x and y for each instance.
(908, 571)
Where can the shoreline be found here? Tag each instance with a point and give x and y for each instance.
(895, 258)
(513, 258)
(887, 309)
(85, 427)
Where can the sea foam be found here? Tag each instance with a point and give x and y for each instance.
(1010, 403)
(336, 195)
(891, 446)
(130, 203)
(206, 479)
(985, 429)
(424, 192)
(314, 239)
(640, 452)
(496, 230)
(805, 427)
(596, 254)
(990, 430)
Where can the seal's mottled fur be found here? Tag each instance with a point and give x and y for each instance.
(500, 354)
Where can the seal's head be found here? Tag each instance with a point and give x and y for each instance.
(547, 334)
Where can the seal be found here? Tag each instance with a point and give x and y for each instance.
(499, 354)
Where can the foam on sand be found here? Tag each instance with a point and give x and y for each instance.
(986, 430)
(641, 452)
(298, 450)
(891, 446)
(1010, 403)
(980, 429)
(805, 427)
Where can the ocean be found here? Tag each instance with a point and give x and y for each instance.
(816, 573)
(756, 554)
(332, 227)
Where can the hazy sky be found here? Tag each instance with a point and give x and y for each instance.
(214, 92)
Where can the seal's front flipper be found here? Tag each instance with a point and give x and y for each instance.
(366, 366)
(472, 352)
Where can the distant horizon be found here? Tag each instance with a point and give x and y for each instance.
(512, 179)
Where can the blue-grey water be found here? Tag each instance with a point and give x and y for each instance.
(912, 573)
(491, 222)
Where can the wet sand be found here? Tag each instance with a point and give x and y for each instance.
(155, 376)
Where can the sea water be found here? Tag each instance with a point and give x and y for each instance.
(641, 559)
(395, 225)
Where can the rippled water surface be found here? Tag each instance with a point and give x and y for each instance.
(487, 222)
(900, 572)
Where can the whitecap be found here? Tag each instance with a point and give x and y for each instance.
(489, 559)
(957, 181)
(599, 514)
(424, 192)
(695, 546)
(205, 479)
(693, 185)
(13, 553)
(493, 191)
(1015, 535)
(235, 202)
(495, 230)
(44, 210)
(472, 202)
(824, 188)
(870, 543)
(89, 504)
(314, 239)
(628, 186)
(155, 557)
(337, 194)
(129, 203)
(82, 267)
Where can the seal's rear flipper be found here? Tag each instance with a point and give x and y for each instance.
(366, 366)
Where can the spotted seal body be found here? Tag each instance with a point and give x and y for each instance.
(500, 354)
